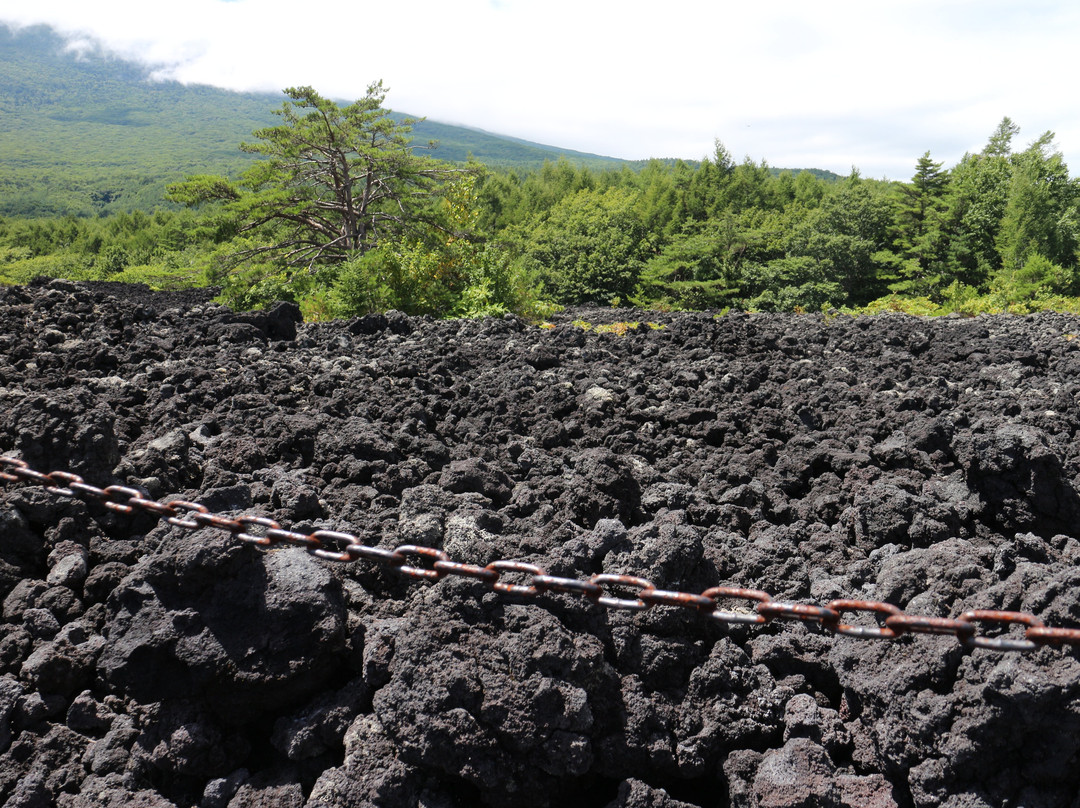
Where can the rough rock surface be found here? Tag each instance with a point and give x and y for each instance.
(930, 464)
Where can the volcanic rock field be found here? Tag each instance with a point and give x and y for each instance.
(930, 464)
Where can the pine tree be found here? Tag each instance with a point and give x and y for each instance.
(919, 238)
(335, 182)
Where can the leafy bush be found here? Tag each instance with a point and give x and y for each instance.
(965, 300)
(63, 265)
(786, 284)
(589, 249)
(1036, 276)
(400, 275)
(158, 276)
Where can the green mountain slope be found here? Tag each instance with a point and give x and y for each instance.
(84, 133)
(458, 143)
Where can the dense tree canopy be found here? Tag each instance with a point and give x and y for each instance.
(342, 194)
(589, 248)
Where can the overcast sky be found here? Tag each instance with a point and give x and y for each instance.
(830, 84)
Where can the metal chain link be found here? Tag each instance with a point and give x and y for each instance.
(619, 592)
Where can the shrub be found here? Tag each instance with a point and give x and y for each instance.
(589, 249)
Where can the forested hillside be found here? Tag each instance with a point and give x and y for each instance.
(86, 135)
(82, 133)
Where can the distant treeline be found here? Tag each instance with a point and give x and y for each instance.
(999, 230)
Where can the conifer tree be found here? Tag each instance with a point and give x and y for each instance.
(920, 241)
(1040, 216)
(335, 182)
(975, 205)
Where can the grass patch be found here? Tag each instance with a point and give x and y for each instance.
(620, 329)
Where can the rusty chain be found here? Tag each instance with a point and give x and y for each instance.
(433, 564)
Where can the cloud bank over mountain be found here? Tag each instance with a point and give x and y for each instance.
(828, 85)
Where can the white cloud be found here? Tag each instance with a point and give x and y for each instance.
(829, 84)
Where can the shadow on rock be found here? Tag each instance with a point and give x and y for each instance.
(1019, 475)
(249, 633)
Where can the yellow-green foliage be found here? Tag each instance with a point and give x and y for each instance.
(157, 276)
(967, 302)
(619, 329)
(921, 306)
(319, 306)
(615, 328)
(70, 267)
(75, 268)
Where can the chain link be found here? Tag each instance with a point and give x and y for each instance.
(432, 564)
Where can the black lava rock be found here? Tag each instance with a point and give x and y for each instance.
(930, 464)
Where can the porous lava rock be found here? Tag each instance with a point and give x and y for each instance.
(929, 464)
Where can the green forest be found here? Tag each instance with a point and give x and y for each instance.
(997, 231)
(342, 208)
